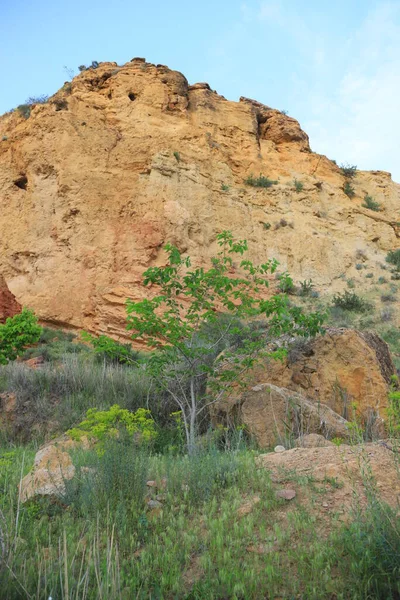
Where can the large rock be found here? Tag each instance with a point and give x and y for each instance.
(347, 370)
(126, 158)
(52, 467)
(274, 415)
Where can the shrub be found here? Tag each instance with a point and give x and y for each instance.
(393, 258)
(60, 104)
(298, 186)
(177, 156)
(266, 226)
(348, 170)
(388, 298)
(17, 333)
(359, 266)
(82, 68)
(224, 187)
(108, 350)
(111, 480)
(369, 275)
(370, 203)
(349, 190)
(261, 181)
(105, 424)
(32, 100)
(286, 284)
(306, 287)
(382, 280)
(350, 301)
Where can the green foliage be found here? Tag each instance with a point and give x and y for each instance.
(107, 349)
(82, 68)
(349, 190)
(349, 171)
(351, 301)
(370, 203)
(53, 345)
(17, 333)
(286, 284)
(24, 110)
(261, 181)
(298, 185)
(359, 266)
(266, 226)
(306, 287)
(111, 480)
(224, 187)
(186, 366)
(104, 424)
(382, 280)
(177, 156)
(393, 258)
(370, 552)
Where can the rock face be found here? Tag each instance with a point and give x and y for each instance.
(8, 304)
(126, 158)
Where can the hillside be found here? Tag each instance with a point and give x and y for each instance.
(125, 158)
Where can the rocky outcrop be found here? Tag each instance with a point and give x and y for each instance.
(327, 381)
(274, 415)
(125, 158)
(343, 369)
(8, 303)
(345, 472)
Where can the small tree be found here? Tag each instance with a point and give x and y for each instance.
(16, 334)
(187, 363)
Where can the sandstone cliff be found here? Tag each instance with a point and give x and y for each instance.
(125, 158)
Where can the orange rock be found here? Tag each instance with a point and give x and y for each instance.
(93, 189)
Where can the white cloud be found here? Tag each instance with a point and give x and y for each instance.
(359, 122)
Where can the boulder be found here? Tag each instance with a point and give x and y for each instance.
(51, 469)
(344, 369)
(277, 415)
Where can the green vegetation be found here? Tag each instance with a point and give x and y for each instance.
(17, 333)
(177, 156)
(306, 287)
(114, 422)
(349, 190)
(298, 186)
(224, 187)
(370, 203)
(107, 349)
(393, 258)
(261, 181)
(348, 171)
(266, 226)
(352, 302)
(188, 366)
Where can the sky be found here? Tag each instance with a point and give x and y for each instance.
(334, 66)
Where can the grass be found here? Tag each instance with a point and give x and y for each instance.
(349, 190)
(113, 537)
(103, 541)
(352, 302)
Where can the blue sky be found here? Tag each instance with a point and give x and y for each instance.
(334, 66)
